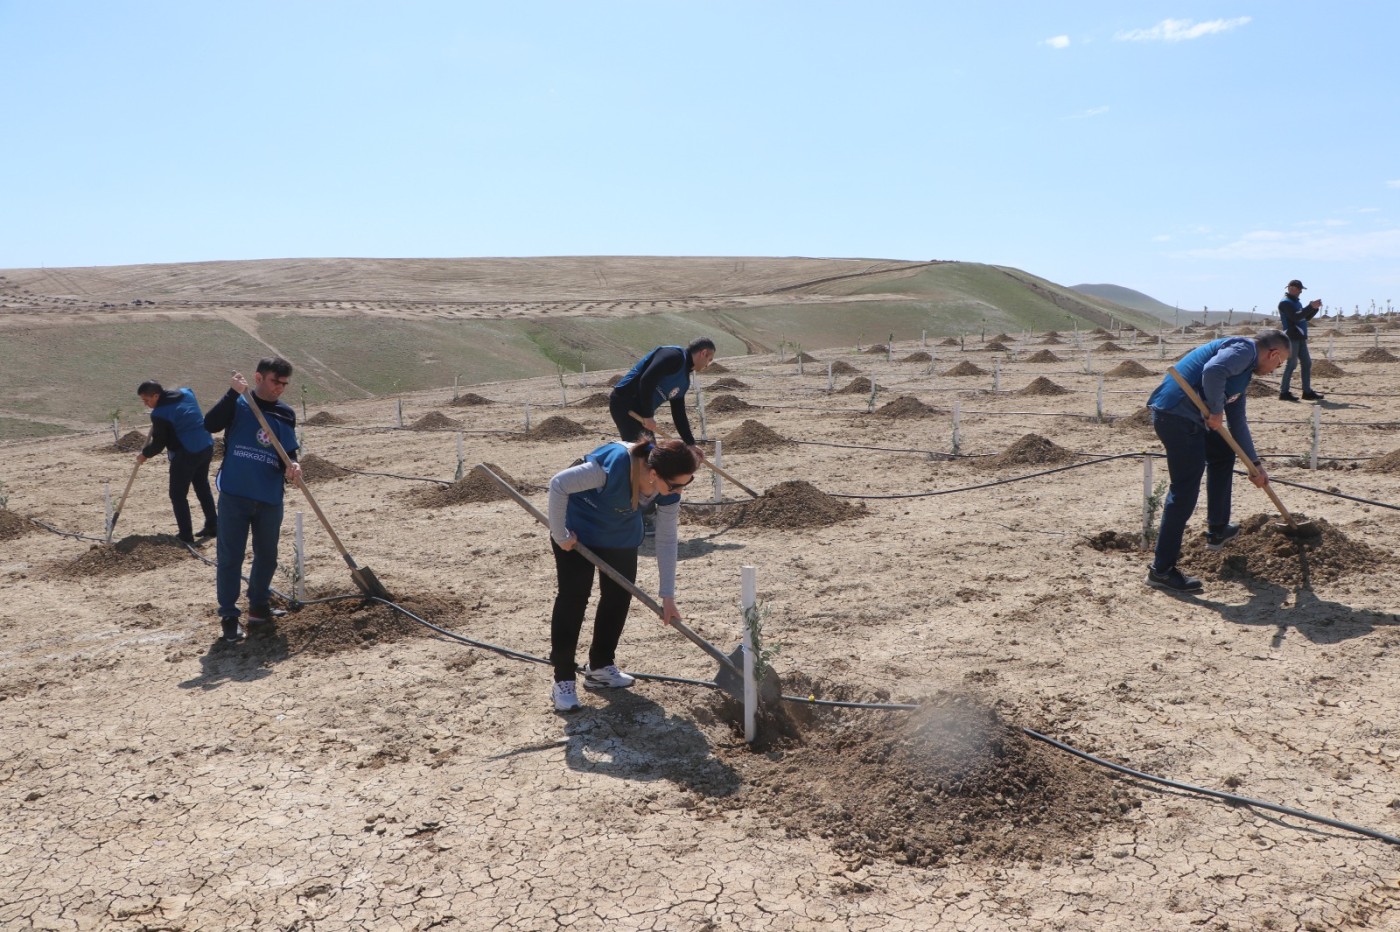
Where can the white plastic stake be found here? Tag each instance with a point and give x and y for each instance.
(583, 374)
(1098, 401)
(1161, 348)
(1146, 500)
(749, 600)
(829, 385)
(454, 387)
(299, 589)
(957, 426)
(1317, 435)
(527, 419)
(799, 360)
(116, 431)
(700, 406)
(923, 340)
(563, 394)
(996, 374)
(1331, 339)
(399, 416)
(1089, 362)
(461, 460)
(107, 502)
(718, 479)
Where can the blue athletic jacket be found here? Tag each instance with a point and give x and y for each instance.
(1219, 372)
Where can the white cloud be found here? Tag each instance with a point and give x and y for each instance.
(1086, 114)
(1314, 245)
(1162, 238)
(1179, 30)
(1057, 42)
(1393, 183)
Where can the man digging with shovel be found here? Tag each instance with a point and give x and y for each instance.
(1219, 373)
(250, 484)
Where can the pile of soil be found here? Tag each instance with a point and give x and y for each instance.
(1043, 386)
(316, 469)
(1366, 328)
(323, 419)
(1128, 369)
(908, 406)
(1259, 389)
(951, 341)
(1141, 419)
(1044, 355)
(13, 525)
(841, 367)
(1374, 354)
(859, 386)
(130, 442)
(1265, 552)
(1209, 334)
(1003, 337)
(475, 486)
(1031, 450)
(435, 420)
(613, 380)
(1104, 541)
(470, 400)
(1052, 340)
(1052, 334)
(1327, 369)
(996, 346)
(135, 554)
(556, 427)
(328, 628)
(918, 356)
(877, 348)
(723, 404)
(714, 367)
(1097, 332)
(785, 507)
(729, 383)
(1388, 463)
(1109, 346)
(595, 400)
(966, 368)
(1246, 332)
(950, 780)
(753, 435)
(805, 357)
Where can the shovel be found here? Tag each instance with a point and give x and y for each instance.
(730, 676)
(112, 525)
(363, 576)
(637, 417)
(1294, 528)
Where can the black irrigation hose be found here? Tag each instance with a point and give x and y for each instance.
(390, 475)
(988, 485)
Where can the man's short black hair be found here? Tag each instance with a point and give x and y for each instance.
(276, 365)
(700, 343)
(1266, 340)
(150, 387)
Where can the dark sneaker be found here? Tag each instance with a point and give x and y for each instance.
(232, 635)
(259, 615)
(1173, 579)
(185, 539)
(1287, 396)
(208, 530)
(1313, 396)
(1215, 540)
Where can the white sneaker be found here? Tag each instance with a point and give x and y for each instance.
(565, 696)
(609, 677)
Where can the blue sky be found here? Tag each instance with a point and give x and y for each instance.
(1203, 153)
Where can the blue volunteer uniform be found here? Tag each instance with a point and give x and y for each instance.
(177, 426)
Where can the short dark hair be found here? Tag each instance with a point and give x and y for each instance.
(150, 387)
(670, 459)
(698, 344)
(1266, 340)
(276, 365)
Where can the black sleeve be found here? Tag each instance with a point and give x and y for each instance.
(219, 417)
(1310, 312)
(665, 362)
(681, 420)
(160, 437)
(1290, 321)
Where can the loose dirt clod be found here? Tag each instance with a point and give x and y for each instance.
(1327, 369)
(13, 525)
(475, 486)
(1129, 369)
(1388, 463)
(556, 427)
(1031, 450)
(1374, 354)
(966, 368)
(323, 419)
(435, 420)
(908, 406)
(950, 780)
(726, 403)
(1259, 389)
(787, 506)
(346, 624)
(470, 400)
(753, 435)
(1044, 355)
(1264, 551)
(316, 469)
(730, 383)
(1105, 541)
(135, 554)
(1043, 386)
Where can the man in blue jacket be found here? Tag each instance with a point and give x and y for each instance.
(250, 484)
(1295, 319)
(177, 425)
(661, 376)
(1219, 372)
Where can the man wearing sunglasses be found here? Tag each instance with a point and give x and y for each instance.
(250, 484)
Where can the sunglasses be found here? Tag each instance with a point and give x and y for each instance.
(676, 486)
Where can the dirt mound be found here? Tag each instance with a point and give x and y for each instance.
(323, 419)
(556, 427)
(130, 442)
(1052, 340)
(470, 400)
(1128, 369)
(785, 507)
(1031, 450)
(1366, 328)
(907, 406)
(13, 525)
(966, 368)
(135, 554)
(1097, 332)
(753, 435)
(917, 356)
(804, 357)
(316, 469)
(1044, 355)
(950, 341)
(1043, 386)
(877, 348)
(595, 400)
(328, 628)
(475, 486)
(1259, 389)
(858, 386)
(1374, 354)
(1388, 463)
(1327, 369)
(1246, 332)
(1141, 419)
(841, 367)
(1108, 346)
(730, 383)
(723, 404)
(1264, 552)
(714, 367)
(614, 379)
(950, 780)
(435, 420)
(1105, 541)
(1003, 337)
(996, 346)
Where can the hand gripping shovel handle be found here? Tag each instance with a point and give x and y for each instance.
(637, 417)
(618, 578)
(1225, 433)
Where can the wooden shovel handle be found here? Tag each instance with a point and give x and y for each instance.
(125, 492)
(637, 417)
(617, 577)
(301, 483)
(1234, 445)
